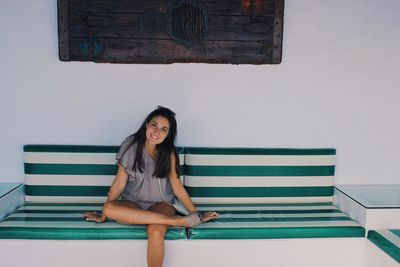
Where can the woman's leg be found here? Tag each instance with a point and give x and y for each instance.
(155, 236)
(127, 212)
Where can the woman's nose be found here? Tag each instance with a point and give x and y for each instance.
(156, 130)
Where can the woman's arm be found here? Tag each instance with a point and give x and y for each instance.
(116, 189)
(118, 184)
(177, 187)
(181, 193)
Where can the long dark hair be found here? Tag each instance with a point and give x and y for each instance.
(164, 150)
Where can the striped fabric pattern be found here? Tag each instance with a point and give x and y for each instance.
(264, 221)
(64, 221)
(388, 240)
(259, 193)
(71, 173)
(253, 175)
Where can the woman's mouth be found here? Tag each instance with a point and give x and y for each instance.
(154, 137)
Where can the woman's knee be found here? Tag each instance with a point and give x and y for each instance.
(156, 232)
(108, 209)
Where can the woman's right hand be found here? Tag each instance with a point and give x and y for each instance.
(93, 216)
(116, 189)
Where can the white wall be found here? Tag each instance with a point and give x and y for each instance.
(338, 86)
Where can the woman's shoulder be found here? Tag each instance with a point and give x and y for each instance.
(128, 140)
(128, 144)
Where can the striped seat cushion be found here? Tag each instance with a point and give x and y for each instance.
(63, 221)
(388, 241)
(251, 175)
(264, 221)
(71, 173)
(61, 183)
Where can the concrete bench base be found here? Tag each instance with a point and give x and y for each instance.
(332, 252)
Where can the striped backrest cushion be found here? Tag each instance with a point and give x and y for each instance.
(251, 175)
(70, 173)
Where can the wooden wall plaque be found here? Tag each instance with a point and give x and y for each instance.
(161, 31)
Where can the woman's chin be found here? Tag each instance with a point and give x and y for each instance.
(154, 142)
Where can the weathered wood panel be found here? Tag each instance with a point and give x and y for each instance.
(150, 31)
(240, 28)
(63, 33)
(135, 50)
(214, 7)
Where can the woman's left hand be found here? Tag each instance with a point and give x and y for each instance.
(206, 216)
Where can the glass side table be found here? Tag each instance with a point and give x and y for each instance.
(373, 206)
(11, 197)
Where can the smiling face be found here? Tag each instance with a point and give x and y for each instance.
(157, 130)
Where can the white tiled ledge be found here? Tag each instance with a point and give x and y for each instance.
(11, 197)
(371, 216)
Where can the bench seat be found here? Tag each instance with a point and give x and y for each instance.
(236, 221)
(265, 221)
(388, 240)
(57, 221)
(61, 183)
(266, 193)
(259, 194)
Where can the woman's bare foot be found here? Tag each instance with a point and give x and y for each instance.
(94, 217)
(193, 220)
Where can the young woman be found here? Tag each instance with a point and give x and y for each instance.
(135, 196)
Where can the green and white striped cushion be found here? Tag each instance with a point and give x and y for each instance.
(264, 221)
(251, 175)
(63, 221)
(388, 241)
(70, 173)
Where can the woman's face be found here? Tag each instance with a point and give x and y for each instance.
(157, 130)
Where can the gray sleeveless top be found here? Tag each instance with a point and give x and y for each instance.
(142, 186)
